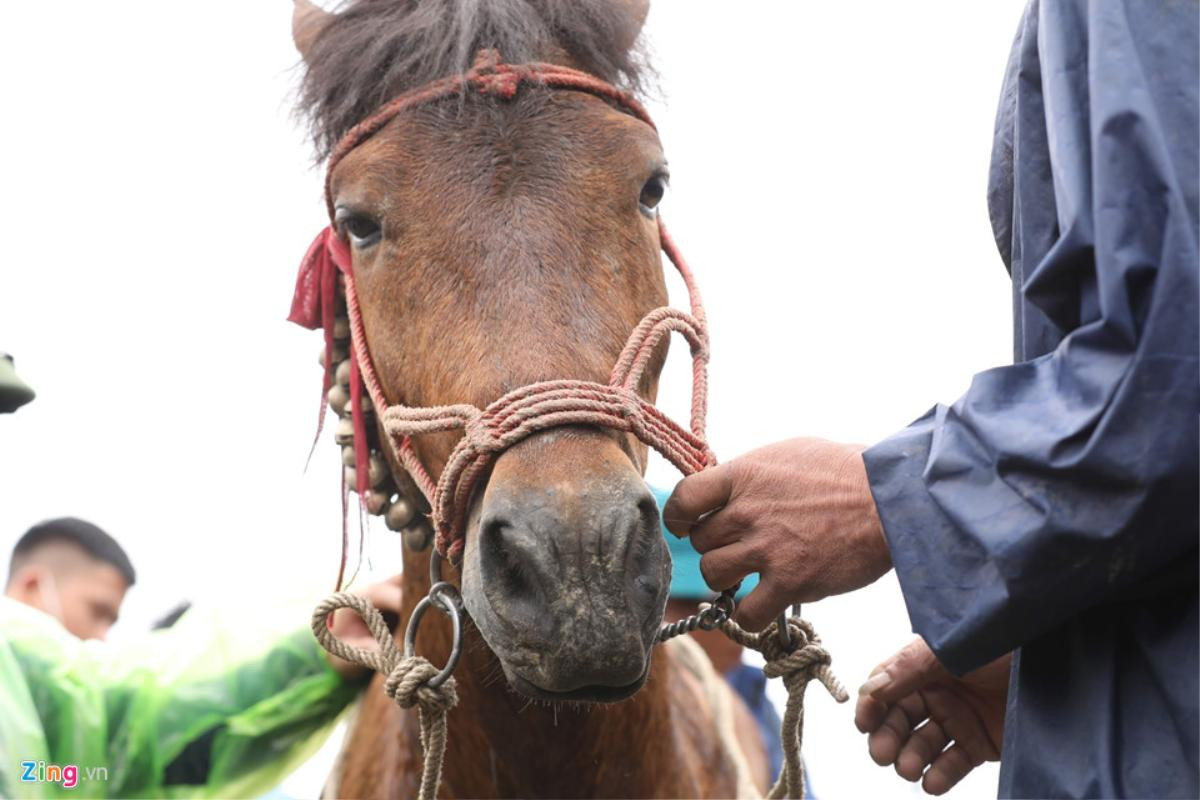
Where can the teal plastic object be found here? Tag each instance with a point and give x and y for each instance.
(686, 581)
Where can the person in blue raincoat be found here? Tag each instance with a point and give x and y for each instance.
(1044, 526)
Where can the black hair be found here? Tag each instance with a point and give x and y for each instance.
(81, 533)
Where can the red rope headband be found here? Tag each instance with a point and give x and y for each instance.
(528, 409)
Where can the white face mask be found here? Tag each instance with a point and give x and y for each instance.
(51, 600)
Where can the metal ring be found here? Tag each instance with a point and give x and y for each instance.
(720, 609)
(414, 622)
(435, 568)
(445, 592)
(708, 618)
(785, 633)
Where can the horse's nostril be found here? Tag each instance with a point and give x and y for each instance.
(646, 556)
(505, 563)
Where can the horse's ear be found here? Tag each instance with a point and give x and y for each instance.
(638, 9)
(307, 22)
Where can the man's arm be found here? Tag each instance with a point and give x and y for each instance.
(1069, 480)
(1054, 484)
(225, 703)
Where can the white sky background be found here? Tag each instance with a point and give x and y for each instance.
(828, 172)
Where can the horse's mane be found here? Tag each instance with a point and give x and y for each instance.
(373, 49)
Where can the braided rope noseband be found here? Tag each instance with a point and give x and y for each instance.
(529, 409)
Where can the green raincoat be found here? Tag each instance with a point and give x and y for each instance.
(220, 705)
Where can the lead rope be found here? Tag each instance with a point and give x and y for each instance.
(809, 660)
(798, 659)
(409, 681)
(793, 652)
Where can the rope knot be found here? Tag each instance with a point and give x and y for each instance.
(802, 636)
(481, 437)
(807, 660)
(630, 408)
(408, 685)
(486, 60)
(501, 84)
(489, 75)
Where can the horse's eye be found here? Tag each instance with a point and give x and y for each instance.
(362, 230)
(652, 193)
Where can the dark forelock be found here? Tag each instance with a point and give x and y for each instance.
(371, 50)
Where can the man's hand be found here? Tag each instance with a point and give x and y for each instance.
(965, 713)
(350, 628)
(799, 513)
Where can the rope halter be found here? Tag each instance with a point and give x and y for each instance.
(488, 432)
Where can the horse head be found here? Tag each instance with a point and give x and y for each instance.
(494, 244)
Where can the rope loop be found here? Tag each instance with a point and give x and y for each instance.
(408, 683)
(381, 660)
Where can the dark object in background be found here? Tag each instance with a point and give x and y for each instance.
(171, 617)
(14, 392)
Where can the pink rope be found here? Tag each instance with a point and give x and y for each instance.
(530, 409)
(366, 369)
(550, 404)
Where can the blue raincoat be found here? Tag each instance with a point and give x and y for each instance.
(1053, 508)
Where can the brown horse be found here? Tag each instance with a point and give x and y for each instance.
(497, 243)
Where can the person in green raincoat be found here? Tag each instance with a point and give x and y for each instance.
(221, 704)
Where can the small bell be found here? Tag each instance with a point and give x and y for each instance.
(364, 403)
(378, 470)
(399, 514)
(340, 353)
(338, 398)
(417, 536)
(341, 329)
(342, 374)
(344, 433)
(348, 456)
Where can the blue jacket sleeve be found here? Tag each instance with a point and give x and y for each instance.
(1068, 479)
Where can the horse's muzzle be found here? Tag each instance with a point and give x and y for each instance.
(566, 572)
